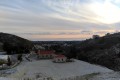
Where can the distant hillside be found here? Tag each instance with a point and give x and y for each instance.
(102, 42)
(14, 44)
(104, 51)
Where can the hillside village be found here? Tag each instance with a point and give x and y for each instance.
(14, 67)
(47, 69)
(38, 52)
(55, 51)
(10, 60)
(63, 55)
(15, 60)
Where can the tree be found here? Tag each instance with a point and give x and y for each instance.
(72, 52)
(7, 47)
(9, 61)
(19, 57)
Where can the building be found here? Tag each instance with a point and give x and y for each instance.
(39, 47)
(107, 34)
(59, 59)
(46, 54)
(4, 57)
(96, 36)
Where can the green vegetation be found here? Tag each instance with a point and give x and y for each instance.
(89, 76)
(2, 62)
(103, 51)
(19, 57)
(9, 61)
(13, 44)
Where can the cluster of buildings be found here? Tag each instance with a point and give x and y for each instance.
(50, 54)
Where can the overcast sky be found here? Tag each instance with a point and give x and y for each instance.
(59, 19)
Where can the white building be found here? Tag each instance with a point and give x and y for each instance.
(39, 47)
(59, 59)
(4, 57)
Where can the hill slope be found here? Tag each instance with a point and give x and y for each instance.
(14, 44)
(104, 51)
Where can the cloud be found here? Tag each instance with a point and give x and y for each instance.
(65, 35)
(58, 17)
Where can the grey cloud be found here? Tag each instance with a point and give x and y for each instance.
(29, 17)
(87, 32)
(47, 22)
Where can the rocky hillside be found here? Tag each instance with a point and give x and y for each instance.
(103, 50)
(14, 44)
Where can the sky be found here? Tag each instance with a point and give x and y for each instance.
(59, 19)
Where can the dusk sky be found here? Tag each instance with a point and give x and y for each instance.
(59, 19)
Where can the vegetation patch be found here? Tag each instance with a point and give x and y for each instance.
(2, 62)
(89, 76)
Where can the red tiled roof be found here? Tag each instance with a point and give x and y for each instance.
(46, 52)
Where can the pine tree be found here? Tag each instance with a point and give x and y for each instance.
(9, 61)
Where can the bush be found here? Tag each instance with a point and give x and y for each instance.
(19, 57)
(2, 62)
